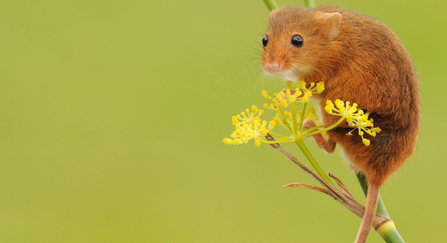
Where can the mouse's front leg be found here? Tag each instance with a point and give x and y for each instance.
(327, 145)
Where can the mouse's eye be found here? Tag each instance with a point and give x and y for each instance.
(265, 40)
(297, 41)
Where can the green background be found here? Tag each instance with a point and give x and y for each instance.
(112, 115)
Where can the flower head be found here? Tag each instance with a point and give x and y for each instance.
(355, 117)
(293, 95)
(249, 126)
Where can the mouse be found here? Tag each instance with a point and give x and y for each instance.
(360, 60)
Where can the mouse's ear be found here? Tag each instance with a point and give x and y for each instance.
(272, 13)
(332, 22)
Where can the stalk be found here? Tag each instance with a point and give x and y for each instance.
(295, 125)
(281, 113)
(327, 128)
(309, 3)
(312, 161)
(302, 116)
(271, 4)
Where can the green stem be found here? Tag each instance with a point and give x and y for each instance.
(281, 113)
(390, 234)
(310, 3)
(295, 125)
(314, 129)
(326, 129)
(312, 161)
(302, 116)
(271, 4)
(276, 135)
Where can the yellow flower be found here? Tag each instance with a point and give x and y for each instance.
(355, 117)
(249, 126)
(294, 95)
(312, 89)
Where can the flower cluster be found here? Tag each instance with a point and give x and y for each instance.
(355, 117)
(291, 98)
(249, 126)
(294, 95)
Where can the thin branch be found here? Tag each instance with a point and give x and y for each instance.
(340, 184)
(309, 187)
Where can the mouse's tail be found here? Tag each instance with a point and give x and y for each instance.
(370, 211)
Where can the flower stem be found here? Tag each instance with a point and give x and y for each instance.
(388, 230)
(312, 161)
(281, 113)
(310, 3)
(325, 129)
(295, 125)
(302, 116)
(271, 4)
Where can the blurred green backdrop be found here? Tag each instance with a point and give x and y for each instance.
(112, 116)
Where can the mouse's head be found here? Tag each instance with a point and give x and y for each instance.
(296, 40)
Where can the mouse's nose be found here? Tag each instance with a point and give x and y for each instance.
(273, 67)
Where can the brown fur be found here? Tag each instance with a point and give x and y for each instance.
(365, 64)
